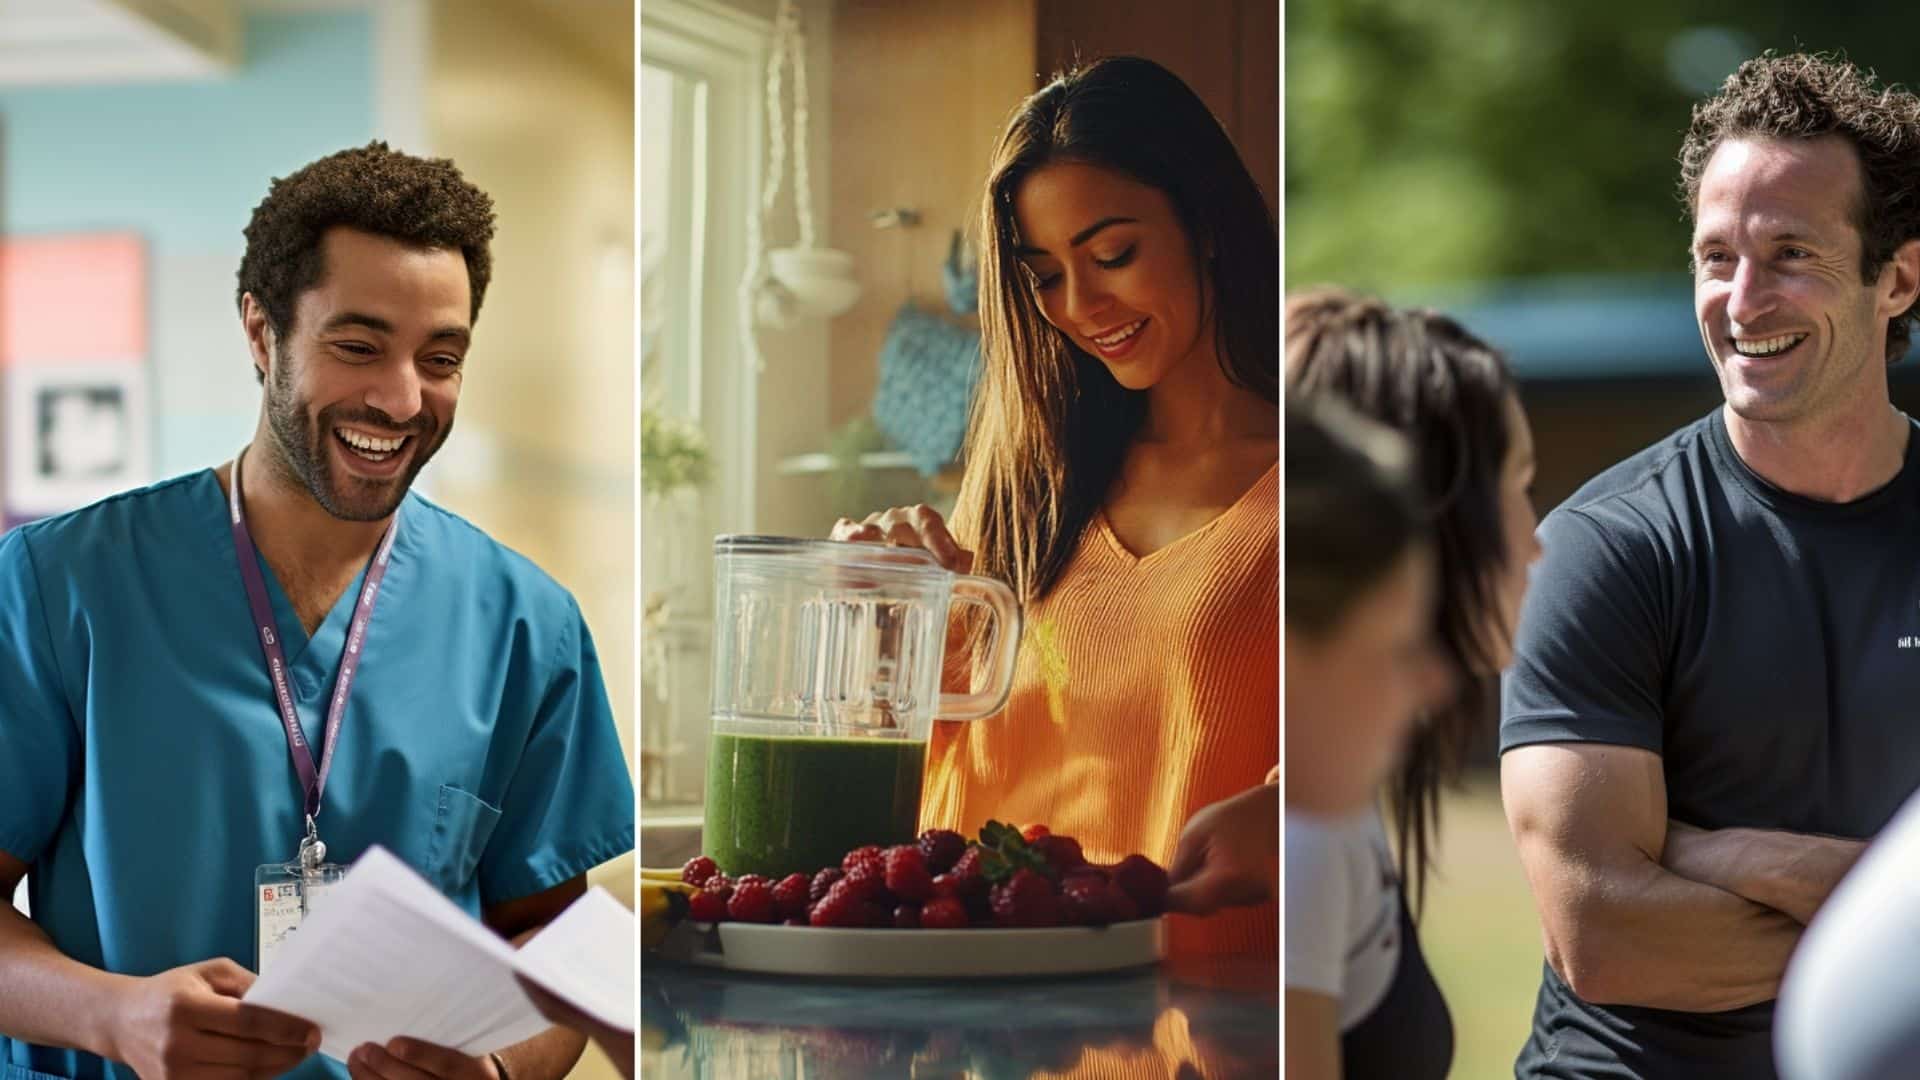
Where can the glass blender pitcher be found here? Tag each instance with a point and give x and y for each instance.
(827, 661)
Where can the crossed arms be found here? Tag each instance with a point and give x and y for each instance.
(1639, 910)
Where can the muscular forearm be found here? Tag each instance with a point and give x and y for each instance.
(1792, 873)
(1640, 935)
(47, 997)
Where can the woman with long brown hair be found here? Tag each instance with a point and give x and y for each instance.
(1122, 476)
(1360, 1001)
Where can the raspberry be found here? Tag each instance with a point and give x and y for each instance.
(1144, 881)
(858, 854)
(906, 917)
(943, 848)
(752, 901)
(944, 913)
(823, 881)
(878, 916)
(1034, 832)
(1026, 899)
(841, 906)
(698, 870)
(707, 906)
(755, 878)
(1087, 900)
(867, 868)
(719, 883)
(790, 896)
(1061, 852)
(906, 874)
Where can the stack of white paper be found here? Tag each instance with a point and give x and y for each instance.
(384, 954)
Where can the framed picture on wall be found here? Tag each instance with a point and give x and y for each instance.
(75, 433)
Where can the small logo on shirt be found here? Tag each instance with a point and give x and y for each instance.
(1910, 642)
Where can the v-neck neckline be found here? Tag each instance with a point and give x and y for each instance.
(296, 643)
(1127, 555)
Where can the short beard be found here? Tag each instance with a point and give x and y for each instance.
(302, 459)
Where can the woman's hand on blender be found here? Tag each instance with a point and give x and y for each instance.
(1228, 855)
(918, 526)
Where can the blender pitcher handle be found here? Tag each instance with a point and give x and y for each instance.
(1003, 645)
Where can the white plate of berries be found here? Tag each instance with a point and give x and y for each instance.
(1013, 903)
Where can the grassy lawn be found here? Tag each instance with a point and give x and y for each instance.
(1480, 933)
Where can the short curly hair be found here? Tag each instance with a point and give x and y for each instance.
(374, 188)
(1806, 96)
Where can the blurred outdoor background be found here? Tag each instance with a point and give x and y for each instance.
(136, 136)
(1514, 164)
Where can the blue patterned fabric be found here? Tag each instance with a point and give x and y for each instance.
(928, 367)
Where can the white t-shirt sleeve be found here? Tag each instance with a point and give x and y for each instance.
(1342, 911)
(1849, 1005)
(1321, 905)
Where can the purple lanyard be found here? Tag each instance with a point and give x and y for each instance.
(310, 781)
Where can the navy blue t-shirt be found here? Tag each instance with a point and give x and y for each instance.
(1765, 645)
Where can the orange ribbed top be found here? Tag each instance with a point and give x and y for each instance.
(1146, 688)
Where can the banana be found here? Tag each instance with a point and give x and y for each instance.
(661, 904)
(660, 873)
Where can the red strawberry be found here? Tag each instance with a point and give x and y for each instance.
(906, 875)
(1061, 852)
(858, 854)
(698, 870)
(822, 881)
(790, 896)
(707, 906)
(1034, 832)
(719, 883)
(966, 873)
(944, 913)
(1144, 881)
(1086, 900)
(943, 848)
(752, 901)
(842, 906)
(906, 917)
(1026, 899)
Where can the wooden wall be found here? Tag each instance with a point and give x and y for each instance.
(920, 93)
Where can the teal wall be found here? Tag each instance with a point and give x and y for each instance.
(183, 164)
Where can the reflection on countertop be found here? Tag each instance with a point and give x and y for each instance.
(1212, 1019)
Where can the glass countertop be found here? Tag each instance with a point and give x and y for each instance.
(1211, 1018)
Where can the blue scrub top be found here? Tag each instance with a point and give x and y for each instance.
(144, 771)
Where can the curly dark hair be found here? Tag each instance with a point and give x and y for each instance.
(1806, 96)
(374, 188)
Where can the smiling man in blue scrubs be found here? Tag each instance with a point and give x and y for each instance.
(442, 697)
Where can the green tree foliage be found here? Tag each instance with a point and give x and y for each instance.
(1429, 143)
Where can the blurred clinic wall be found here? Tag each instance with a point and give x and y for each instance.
(133, 177)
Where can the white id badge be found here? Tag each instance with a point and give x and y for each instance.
(284, 896)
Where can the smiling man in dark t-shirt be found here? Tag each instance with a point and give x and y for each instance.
(1712, 702)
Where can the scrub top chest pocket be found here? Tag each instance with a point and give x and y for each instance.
(462, 825)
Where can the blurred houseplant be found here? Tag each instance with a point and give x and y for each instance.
(674, 465)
